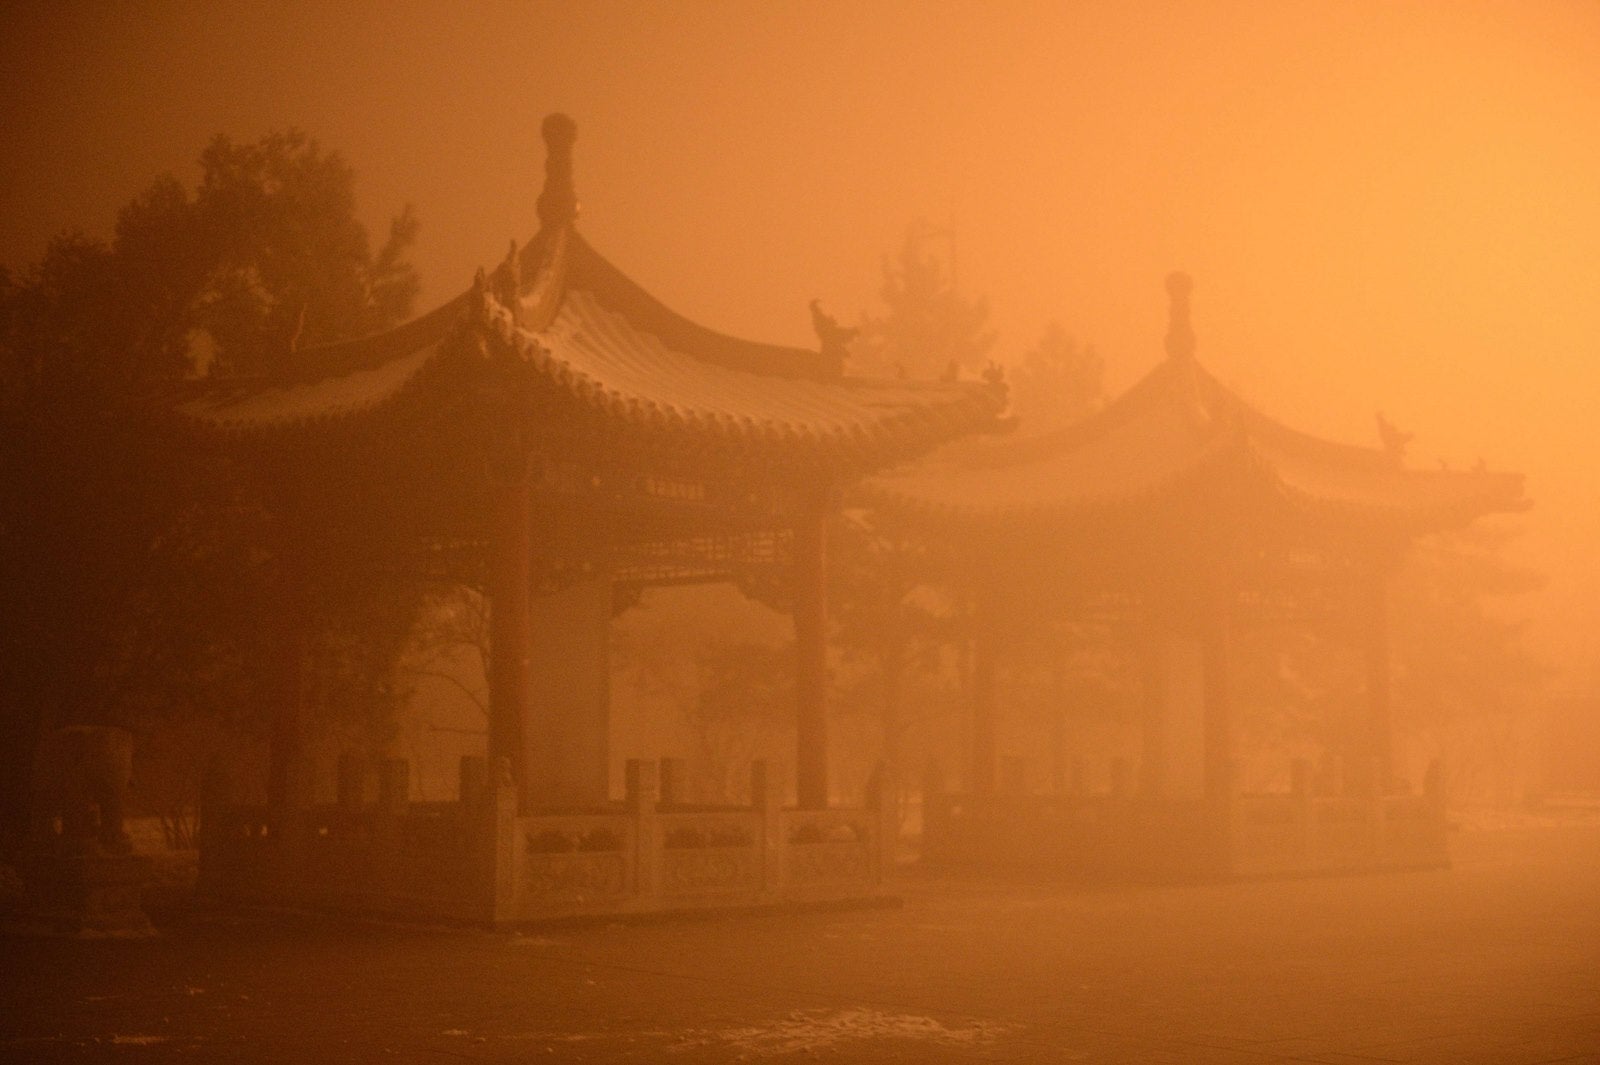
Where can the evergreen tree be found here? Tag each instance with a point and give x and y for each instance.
(885, 581)
(1057, 383)
(1463, 677)
(929, 329)
(126, 565)
(264, 258)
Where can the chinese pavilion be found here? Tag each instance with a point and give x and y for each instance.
(559, 438)
(1179, 512)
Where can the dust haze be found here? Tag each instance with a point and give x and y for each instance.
(1134, 597)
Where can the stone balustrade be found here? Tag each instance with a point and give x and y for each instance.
(1119, 835)
(480, 860)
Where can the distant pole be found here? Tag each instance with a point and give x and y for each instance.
(922, 230)
(811, 651)
(1217, 697)
(955, 271)
(286, 769)
(1378, 755)
(985, 746)
(510, 628)
(1153, 705)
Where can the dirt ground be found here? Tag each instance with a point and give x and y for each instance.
(1494, 961)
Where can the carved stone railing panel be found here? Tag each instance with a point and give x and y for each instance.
(575, 860)
(1106, 836)
(423, 860)
(566, 834)
(556, 880)
(710, 870)
(829, 863)
(830, 847)
(710, 852)
(1342, 833)
(694, 829)
(827, 826)
(1072, 836)
(1413, 833)
(480, 860)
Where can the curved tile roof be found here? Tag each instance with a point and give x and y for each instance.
(269, 403)
(587, 329)
(603, 361)
(1178, 430)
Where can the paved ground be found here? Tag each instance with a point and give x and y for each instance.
(1496, 961)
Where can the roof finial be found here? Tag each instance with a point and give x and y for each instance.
(1180, 335)
(833, 339)
(558, 203)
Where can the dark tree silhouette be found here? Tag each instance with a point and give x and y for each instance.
(929, 329)
(1057, 383)
(128, 566)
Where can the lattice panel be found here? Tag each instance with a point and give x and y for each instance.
(720, 557)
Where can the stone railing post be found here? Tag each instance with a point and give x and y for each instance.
(767, 802)
(505, 856)
(1121, 778)
(1436, 801)
(1013, 774)
(674, 781)
(349, 785)
(1223, 801)
(474, 805)
(86, 880)
(216, 796)
(885, 823)
(1433, 789)
(350, 781)
(1304, 808)
(394, 797)
(286, 818)
(643, 793)
(394, 790)
(1369, 792)
(472, 787)
(935, 814)
(394, 786)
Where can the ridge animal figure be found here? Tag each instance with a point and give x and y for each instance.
(832, 337)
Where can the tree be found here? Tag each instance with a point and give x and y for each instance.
(1462, 675)
(929, 328)
(889, 609)
(264, 258)
(290, 266)
(1057, 383)
(1462, 678)
(883, 580)
(745, 695)
(125, 563)
(706, 673)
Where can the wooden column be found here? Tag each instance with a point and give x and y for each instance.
(286, 768)
(893, 675)
(1215, 641)
(811, 650)
(509, 577)
(1058, 748)
(889, 774)
(1153, 711)
(1377, 735)
(984, 751)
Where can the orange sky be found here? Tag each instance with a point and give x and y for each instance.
(1385, 205)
